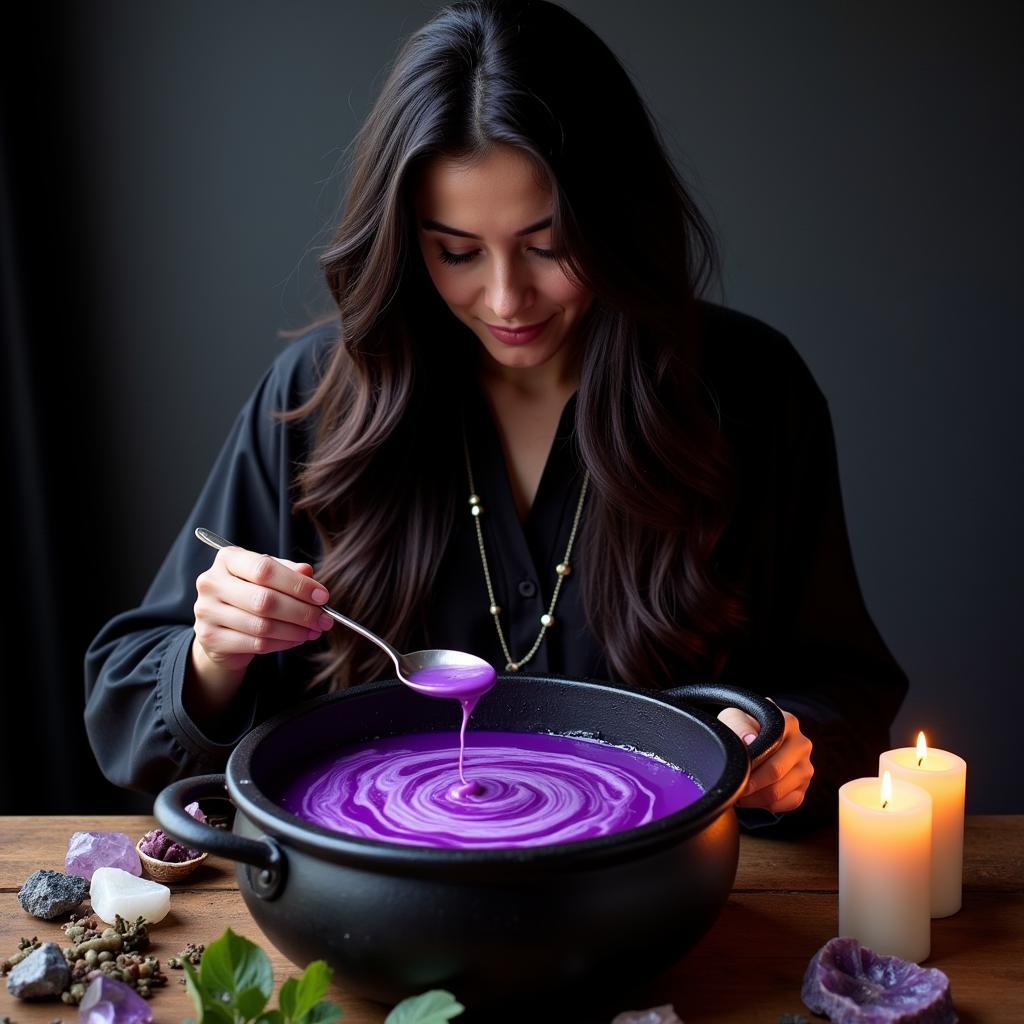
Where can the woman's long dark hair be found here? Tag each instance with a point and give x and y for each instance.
(528, 74)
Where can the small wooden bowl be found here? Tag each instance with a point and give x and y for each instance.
(168, 870)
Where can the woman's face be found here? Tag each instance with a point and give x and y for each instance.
(484, 231)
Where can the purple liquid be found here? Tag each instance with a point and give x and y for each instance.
(533, 789)
(461, 682)
(466, 684)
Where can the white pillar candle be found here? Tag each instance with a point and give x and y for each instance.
(944, 775)
(885, 828)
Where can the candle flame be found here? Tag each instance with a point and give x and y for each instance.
(922, 748)
(886, 789)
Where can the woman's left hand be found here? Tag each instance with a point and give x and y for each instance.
(779, 784)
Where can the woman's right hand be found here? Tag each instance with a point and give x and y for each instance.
(249, 604)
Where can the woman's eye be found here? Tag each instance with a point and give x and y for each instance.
(464, 257)
(456, 257)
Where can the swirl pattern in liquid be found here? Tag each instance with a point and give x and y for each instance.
(526, 789)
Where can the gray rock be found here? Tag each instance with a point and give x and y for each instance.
(44, 972)
(48, 894)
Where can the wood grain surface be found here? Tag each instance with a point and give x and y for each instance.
(747, 969)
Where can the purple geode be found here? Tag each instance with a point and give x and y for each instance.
(88, 851)
(160, 846)
(655, 1015)
(108, 1001)
(850, 984)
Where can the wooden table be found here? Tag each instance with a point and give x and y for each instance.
(747, 969)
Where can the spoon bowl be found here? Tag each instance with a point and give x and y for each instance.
(444, 673)
(435, 673)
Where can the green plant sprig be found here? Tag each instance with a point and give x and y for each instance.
(235, 981)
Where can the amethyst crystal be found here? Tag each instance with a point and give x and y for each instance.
(88, 851)
(193, 809)
(108, 1001)
(850, 984)
(656, 1015)
(160, 846)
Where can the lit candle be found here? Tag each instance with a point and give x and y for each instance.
(885, 831)
(944, 775)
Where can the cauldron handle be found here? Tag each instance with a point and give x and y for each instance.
(169, 811)
(767, 713)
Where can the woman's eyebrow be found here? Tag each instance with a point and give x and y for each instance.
(436, 225)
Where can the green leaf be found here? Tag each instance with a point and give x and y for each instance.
(192, 986)
(433, 1007)
(287, 997)
(232, 964)
(235, 980)
(323, 1013)
(250, 1002)
(310, 989)
(210, 1008)
(218, 1013)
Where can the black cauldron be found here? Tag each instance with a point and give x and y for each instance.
(499, 928)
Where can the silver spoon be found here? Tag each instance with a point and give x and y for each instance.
(405, 664)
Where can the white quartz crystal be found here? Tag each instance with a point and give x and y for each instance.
(114, 891)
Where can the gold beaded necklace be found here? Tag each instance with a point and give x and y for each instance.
(564, 567)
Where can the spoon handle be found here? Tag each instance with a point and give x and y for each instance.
(215, 540)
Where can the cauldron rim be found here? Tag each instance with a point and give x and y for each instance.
(297, 833)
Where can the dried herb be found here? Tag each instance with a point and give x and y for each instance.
(25, 946)
(79, 929)
(114, 952)
(134, 934)
(139, 972)
(192, 953)
(124, 937)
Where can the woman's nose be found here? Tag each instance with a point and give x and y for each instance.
(509, 293)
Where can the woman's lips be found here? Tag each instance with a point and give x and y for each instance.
(521, 336)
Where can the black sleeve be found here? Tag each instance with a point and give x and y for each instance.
(825, 661)
(137, 726)
(853, 685)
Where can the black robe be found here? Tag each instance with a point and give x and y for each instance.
(810, 644)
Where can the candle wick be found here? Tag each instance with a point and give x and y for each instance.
(885, 803)
(919, 760)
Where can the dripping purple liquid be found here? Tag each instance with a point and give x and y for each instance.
(466, 684)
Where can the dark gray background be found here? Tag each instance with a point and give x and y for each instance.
(861, 164)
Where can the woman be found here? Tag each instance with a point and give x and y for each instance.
(523, 436)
